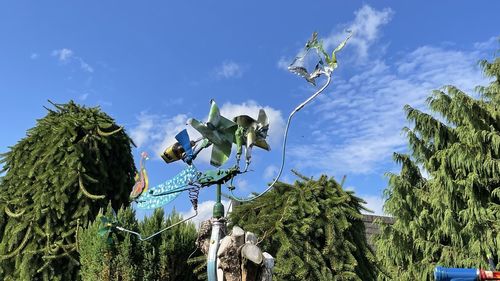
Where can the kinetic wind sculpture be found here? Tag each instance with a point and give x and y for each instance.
(220, 133)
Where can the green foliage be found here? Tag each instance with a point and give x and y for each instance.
(70, 165)
(313, 228)
(451, 218)
(163, 257)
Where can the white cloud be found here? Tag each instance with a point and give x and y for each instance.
(84, 96)
(34, 56)
(489, 44)
(229, 69)
(65, 56)
(205, 210)
(283, 63)
(374, 203)
(141, 133)
(155, 132)
(366, 27)
(85, 66)
(359, 121)
(270, 172)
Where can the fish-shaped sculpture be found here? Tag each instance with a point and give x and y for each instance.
(141, 178)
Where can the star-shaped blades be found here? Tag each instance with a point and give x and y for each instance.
(219, 131)
(251, 132)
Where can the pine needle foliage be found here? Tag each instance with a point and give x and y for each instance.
(163, 258)
(70, 165)
(313, 228)
(450, 217)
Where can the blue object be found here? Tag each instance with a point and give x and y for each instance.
(455, 274)
(164, 193)
(183, 138)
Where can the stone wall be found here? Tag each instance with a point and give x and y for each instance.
(371, 228)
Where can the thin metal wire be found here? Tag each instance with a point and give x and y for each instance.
(156, 233)
(285, 137)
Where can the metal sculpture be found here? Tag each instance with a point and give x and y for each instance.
(141, 179)
(220, 133)
(464, 274)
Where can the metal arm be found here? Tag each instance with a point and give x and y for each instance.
(285, 137)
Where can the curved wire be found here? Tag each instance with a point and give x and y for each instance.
(285, 137)
(156, 233)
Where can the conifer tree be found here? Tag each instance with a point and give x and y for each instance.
(450, 217)
(162, 258)
(314, 230)
(70, 165)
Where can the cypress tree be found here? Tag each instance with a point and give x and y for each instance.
(451, 217)
(70, 165)
(313, 228)
(163, 257)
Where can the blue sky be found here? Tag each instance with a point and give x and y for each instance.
(152, 66)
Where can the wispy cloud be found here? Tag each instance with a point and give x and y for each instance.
(84, 96)
(270, 172)
(366, 26)
(205, 210)
(359, 122)
(374, 203)
(229, 69)
(283, 63)
(34, 56)
(65, 56)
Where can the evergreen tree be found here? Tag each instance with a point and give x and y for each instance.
(70, 165)
(162, 258)
(450, 218)
(314, 230)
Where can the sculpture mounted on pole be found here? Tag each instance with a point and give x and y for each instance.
(220, 133)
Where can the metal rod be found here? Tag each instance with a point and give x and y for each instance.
(156, 233)
(285, 136)
(212, 250)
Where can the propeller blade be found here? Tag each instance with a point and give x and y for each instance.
(262, 144)
(214, 114)
(220, 154)
(205, 131)
(262, 119)
(183, 138)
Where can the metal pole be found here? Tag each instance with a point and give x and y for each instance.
(218, 222)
